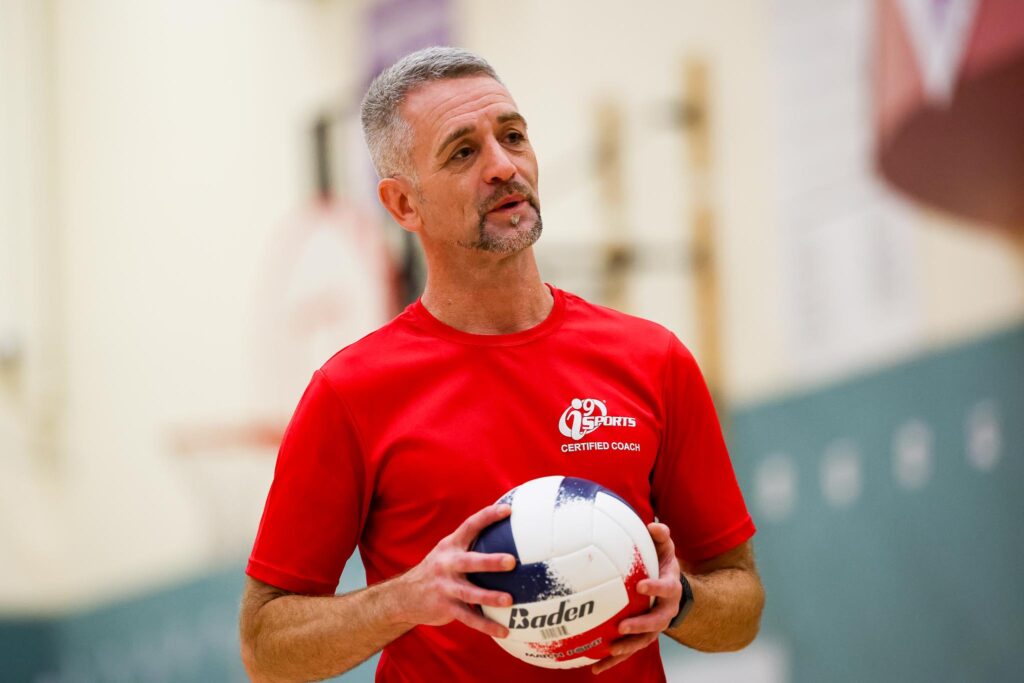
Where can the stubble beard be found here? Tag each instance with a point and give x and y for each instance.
(489, 241)
(519, 239)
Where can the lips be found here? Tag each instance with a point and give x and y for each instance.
(509, 204)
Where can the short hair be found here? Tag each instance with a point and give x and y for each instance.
(389, 136)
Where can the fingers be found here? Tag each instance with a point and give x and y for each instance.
(655, 621)
(467, 562)
(666, 587)
(630, 645)
(476, 523)
(473, 595)
(662, 538)
(607, 663)
(622, 649)
(439, 585)
(659, 532)
(477, 621)
(667, 590)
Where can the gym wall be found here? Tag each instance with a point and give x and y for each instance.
(152, 153)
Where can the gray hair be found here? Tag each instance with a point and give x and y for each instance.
(387, 134)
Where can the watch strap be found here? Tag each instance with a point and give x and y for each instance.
(685, 602)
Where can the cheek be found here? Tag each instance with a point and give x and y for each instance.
(528, 169)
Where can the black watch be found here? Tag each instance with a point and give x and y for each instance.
(685, 602)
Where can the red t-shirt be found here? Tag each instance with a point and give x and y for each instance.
(402, 435)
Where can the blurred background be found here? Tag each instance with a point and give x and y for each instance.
(823, 198)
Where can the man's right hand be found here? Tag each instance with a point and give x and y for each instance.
(289, 637)
(436, 591)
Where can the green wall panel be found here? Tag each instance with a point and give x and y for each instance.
(185, 633)
(901, 583)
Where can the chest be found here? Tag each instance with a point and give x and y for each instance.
(452, 437)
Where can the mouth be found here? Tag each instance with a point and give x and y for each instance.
(510, 204)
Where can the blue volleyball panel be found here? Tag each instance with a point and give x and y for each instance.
(573, 489)
(506, 498)
(526, 582)
(496, 538)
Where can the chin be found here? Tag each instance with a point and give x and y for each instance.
(509, 240)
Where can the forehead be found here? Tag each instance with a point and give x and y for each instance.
(439, 106)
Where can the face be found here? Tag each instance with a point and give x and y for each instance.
(476, 173)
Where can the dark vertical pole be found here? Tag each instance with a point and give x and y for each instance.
(322, 156)
(617, 261)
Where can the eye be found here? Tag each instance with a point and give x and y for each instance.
(462, 153)
(515, 137)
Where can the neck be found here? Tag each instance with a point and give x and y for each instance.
(501, 296)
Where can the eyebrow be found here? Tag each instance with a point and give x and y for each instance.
(455, 135)
(511, 116)
(466, 130)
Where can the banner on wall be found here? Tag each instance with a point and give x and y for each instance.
(949, 101)
(849, 296)
(397, 27)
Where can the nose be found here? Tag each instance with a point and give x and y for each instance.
(500, 168)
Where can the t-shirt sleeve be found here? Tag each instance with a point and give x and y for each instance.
(694, 487)
(312, 519)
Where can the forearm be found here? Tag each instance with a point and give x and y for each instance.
(726, 611)
(287, 637)
(301, 638)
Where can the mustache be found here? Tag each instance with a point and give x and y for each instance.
(504, 190)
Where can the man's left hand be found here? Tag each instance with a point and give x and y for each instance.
(640, 631)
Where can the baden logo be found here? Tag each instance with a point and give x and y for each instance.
(584, 415)
(520, 617)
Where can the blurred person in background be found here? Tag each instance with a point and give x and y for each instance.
(402, 438)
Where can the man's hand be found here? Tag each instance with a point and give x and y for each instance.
(640, 631)
(290, 637)
(436, 591)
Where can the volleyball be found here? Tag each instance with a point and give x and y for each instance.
(580, 551)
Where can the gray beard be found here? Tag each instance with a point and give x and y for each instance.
(506, 244)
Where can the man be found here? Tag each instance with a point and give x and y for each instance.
(403, 438)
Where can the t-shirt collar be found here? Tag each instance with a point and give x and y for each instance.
(423, 319)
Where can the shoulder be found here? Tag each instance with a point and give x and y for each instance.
(615, 329)
(385, 350)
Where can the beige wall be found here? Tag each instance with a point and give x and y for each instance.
(560, 60)
(973, 277)
(179, 137)
(31, 311)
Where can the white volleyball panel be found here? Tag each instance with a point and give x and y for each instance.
(561, 617)
(537, 656)
(613, 541)
(583, 569)
(532, 506)
(572, 528)
(624, 516)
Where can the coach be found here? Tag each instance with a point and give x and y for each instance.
(403, 438)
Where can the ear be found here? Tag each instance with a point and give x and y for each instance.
(397, 196)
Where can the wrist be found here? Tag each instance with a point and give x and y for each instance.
(685, 602)
(396, 598)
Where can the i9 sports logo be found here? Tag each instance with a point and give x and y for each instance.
(584, 415)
